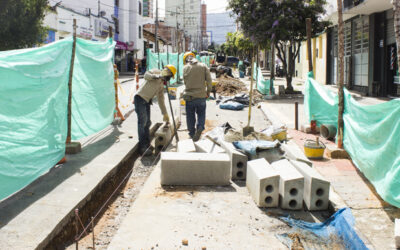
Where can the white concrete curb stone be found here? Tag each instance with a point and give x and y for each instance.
(293, 152)
(262, 181)
(195, 169)
(397, 232)
(316, 187)
(186, 146)
(207, 146)
(238, 161)
(291, 185)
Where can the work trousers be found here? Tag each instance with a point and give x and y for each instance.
(195, 111)
(142, 109)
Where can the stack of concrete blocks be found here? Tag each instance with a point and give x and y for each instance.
(316, 187)
(397, 233)
(162, 137)
(238, 161)
(195, 168)
(207, 146)
(262, 181)
(293, 152)
(186, 146)
(291, 185)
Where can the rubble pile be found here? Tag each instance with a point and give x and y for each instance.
(228, 86)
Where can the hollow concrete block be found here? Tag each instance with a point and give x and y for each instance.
(195, 168)
(262, 181)
(238, 161)
(207, 146)
(162, 137)
(291, 185)
(186, 146)
(293, 152)
(316, 187)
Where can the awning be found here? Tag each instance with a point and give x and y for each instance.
(121, 45)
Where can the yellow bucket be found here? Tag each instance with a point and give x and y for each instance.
(214, 83)
(281, 136)
(314, 149)
(183, 103)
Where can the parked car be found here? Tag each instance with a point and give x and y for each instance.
(232, 60)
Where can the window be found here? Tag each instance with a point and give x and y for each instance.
(140, 8)
(140, 32)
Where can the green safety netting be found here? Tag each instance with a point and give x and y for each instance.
(33, 113)
(93, 94)
(205, 60)
(33, 105)
(158, 60)
(371, 135)
(263, 86)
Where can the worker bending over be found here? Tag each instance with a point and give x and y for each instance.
(153, 85)
(198, 86)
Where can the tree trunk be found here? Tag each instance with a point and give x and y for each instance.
(341, 74)
(396, 9)
(289, 72)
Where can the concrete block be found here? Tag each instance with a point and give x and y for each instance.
(316, 187)
(334, 152)
(195, 169)
(397, 232)
(271, 155)
(293, 152)
(291, 185)
(262, 181)
(162, 137)
(238, 161)
(73, 147)
(186, 146)
(207, 146)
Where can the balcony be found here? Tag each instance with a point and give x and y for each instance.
(348, 4)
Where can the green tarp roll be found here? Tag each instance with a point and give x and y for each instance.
(34, 100)
(33, 112)
(371, 135)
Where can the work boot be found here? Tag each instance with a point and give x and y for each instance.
(197, 135)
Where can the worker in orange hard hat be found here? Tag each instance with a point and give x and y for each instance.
(198, 85)
(153, 85)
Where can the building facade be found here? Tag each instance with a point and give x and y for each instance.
(370, 57)
(185, 15)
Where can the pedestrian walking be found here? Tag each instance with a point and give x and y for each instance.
(198, 85)
(153, 85)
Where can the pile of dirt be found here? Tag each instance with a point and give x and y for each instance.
(234, 135)
(228, 86)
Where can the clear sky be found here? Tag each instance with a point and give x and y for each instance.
(213, 6)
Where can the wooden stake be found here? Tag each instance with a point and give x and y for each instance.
(71, 73)
(341, 74)
(308, 27)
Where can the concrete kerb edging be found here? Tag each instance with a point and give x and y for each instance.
(60, 231)
(335, 201)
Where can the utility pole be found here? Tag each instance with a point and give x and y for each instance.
(308, 27)
(156, 27)
(341, 74)
(98, 8)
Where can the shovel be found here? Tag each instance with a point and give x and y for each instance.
(248, 130)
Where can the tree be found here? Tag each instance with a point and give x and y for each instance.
(283, 23)
(341, 74)
(21, 23)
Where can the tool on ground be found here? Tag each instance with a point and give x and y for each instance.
(248, 130)
(214, 89)
(213, 141)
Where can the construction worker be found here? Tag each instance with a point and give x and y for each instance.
(153, 85)
(198, 85)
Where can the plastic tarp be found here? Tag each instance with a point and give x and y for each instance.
(93, 93)
(231, 105)
(205, 60)
(164, 59)
(33, 112)
(337, 232)
(371, 135)
(34, 100)
(263, 86)
(253, 146)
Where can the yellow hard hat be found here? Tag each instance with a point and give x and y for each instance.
(172, 69)
(188, 54)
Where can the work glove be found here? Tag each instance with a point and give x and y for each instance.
(166, 118)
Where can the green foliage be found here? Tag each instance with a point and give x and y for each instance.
(21, 23)
(237, 45)
(282, 22)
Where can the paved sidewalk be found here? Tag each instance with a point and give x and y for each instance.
(374, 217)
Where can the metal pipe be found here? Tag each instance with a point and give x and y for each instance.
(296, 115)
